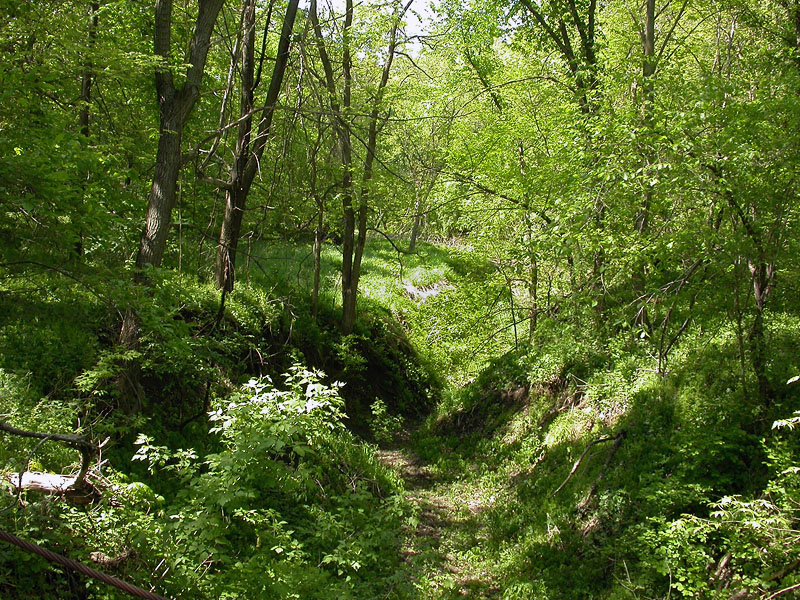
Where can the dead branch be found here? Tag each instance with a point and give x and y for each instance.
(112, 562)
(75, 489)
(791, 588)
(617, 439)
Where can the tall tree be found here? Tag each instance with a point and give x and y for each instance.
(175, 102)
(354, 234)
(571, 27)
(653, 49)
(249, 151)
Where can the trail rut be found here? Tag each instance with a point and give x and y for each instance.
(446, 551)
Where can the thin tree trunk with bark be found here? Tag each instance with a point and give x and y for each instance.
(87, 80)
(87, 76)
(348, 235)
(234, 196)
(350, 295)
(175, 104)
(352, 243)
(763, 275)
(415, 226)
(248, 155)
(639, 275)
(341, 127)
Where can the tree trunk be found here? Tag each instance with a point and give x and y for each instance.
(352, 244)
(763, 275)
(639, 275)
(87, 79)
(163, 190)
(248, 158)
(348, 235)
(87, 76)
(350, 283)
(175, 105)
(235, 195)
(412, 243)
(318, 236)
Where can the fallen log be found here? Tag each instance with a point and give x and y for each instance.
(42, 482)
(76, 489)
(66, 486)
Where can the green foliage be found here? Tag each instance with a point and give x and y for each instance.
(622, 267)
(292, 505)
(655, 516)
(21, 407)
(300, 509)
(384, 426)
(744, 544)
(49, 329)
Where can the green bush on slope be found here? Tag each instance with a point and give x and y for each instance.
(291, 506)
(653, 516)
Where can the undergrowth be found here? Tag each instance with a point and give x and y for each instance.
(578, 465)
(216, 482)
(290, 505)
(601, 478)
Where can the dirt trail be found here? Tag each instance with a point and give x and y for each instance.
(446, 552)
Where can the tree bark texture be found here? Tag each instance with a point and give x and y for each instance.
(350, 283)
(234, 196)
(87, 76)
(647, 33)
(352, 243)
(175, 104)
(348, 288)
(763, 275)
(87, 80)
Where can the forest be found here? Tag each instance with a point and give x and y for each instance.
(392, 299)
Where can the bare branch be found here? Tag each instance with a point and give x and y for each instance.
(578, 462)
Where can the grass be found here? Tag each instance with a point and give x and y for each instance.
(634, 521)
(457, 329)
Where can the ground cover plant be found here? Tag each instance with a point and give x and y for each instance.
(381, 300)
(672, 470)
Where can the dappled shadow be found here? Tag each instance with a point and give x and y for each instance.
(606, 471)
(410, 468)
(437, 548)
